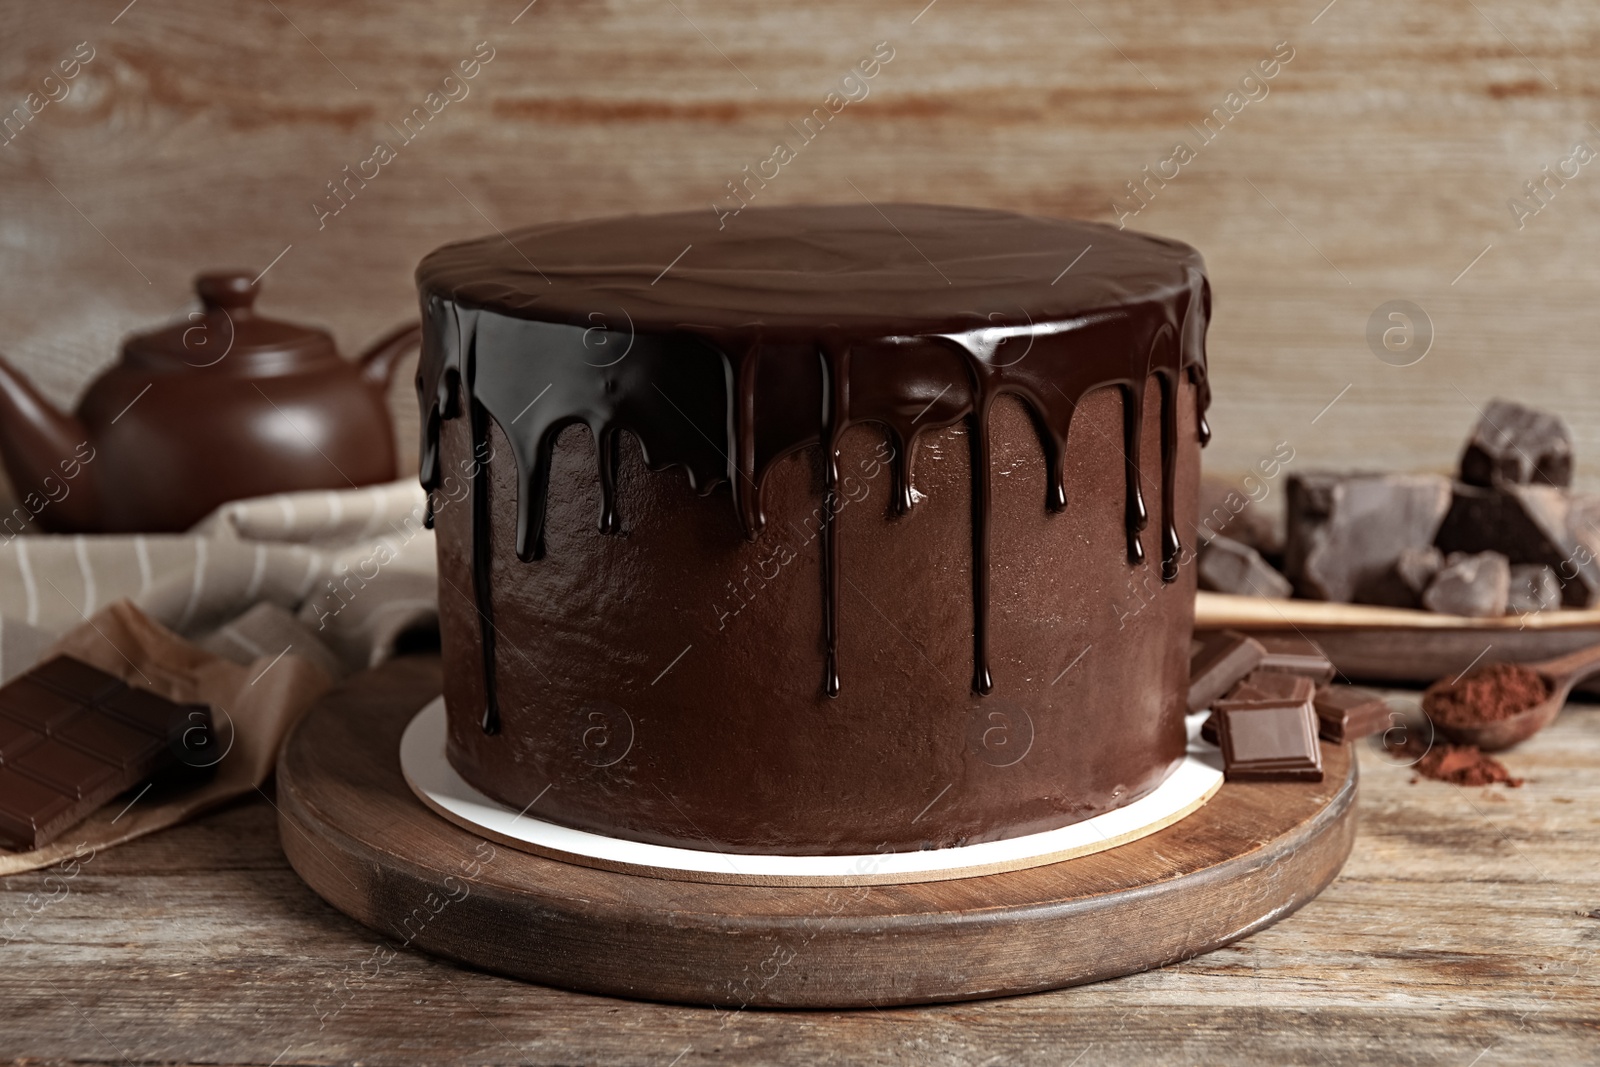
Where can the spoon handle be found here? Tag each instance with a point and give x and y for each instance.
(1566, 671)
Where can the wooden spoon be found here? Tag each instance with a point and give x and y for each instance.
(1560, 674)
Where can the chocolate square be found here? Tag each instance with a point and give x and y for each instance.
(75, 678)
(1269, 742)
(31, 813)
(69, 771)
(1346, 713)
(35, 706)
(1222, 659)
(15, 739)
(1293, 654)
(143, 709)
(109, 739)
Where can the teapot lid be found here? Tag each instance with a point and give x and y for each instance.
(227, 332)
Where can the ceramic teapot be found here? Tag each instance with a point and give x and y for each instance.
(226, 405)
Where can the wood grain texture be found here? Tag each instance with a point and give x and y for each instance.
(1378, 167)
(354, 830)
(1463, 922)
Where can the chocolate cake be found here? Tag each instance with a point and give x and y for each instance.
(871, 569)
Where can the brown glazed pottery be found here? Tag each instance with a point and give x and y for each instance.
(225, 405)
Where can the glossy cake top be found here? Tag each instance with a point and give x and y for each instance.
(721, 351)
(894, 269)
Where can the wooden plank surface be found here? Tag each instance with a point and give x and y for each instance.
(1464, 929)
(1379, 166)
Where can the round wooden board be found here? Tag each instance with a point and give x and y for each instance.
(355, 832)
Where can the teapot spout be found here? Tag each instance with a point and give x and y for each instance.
(46, 453)
(382, 357)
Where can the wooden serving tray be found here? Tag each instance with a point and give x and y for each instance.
(356, 833)
(1370, 644)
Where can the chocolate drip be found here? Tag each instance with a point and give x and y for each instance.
(781, 335)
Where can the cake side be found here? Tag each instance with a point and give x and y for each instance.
(663, 685)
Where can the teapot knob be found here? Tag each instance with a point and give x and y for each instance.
(231, 291)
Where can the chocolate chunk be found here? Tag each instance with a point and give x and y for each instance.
(1227, 566)
(1471, 584)
(1347, 531)
(1526, 524)
(1294, 654)
(1269, 742)
(1406, 581)
(71, 738)
(1223, 659)
(1534, 588)
(1226, 510)
(1516, 445)
(1346, 713)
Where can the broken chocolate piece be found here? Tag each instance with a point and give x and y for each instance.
(1227, 566)
(1407, 580)
(1347, 531)
(1346, 713)
(1534, 588)
(1293, 654)
(71, 738)
(1471, 584)
(1526, 524)
(1269, 742)
(1517, 445)
(1226, 510)
(1223, 659)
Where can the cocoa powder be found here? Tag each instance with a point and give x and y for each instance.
(1460, 764)
(1488, 694)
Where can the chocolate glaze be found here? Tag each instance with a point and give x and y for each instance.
(725, 351)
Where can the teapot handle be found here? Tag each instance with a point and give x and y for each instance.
(379, 361)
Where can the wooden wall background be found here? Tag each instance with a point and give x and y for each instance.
(1378, 167)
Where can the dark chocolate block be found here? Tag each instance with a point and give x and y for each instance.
(1526, 524)
(1473, 584)
(1346, 713)
(1227, 566)
(1516, 445)
(1293, 654)
(71, 738)
(1223, 658)
(1346, 531)
(1269, 742)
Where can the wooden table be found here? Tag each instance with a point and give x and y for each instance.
(1464, 930)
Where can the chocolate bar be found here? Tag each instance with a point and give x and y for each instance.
(1517, 445)
(72, 737)
(1293, 654)
(1346, 713)
(1225, 657)
(1269, 741)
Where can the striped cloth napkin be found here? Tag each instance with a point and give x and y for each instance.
(336, 577)
(256, 611)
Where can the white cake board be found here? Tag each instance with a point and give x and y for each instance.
(436, 784)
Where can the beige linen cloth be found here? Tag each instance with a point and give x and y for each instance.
(256, 611)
